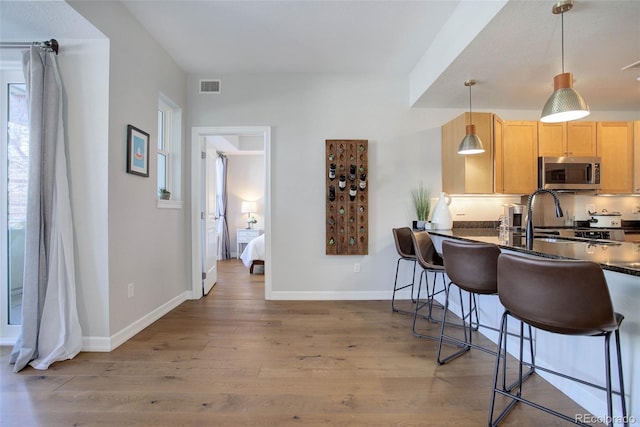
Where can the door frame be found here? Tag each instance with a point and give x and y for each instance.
(198, 134)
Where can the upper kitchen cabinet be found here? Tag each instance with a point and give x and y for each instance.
(615, 149)
(468, 173)
(636, 157)
(573, 139)
(517, 158)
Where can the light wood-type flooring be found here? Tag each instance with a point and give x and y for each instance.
(234, 359)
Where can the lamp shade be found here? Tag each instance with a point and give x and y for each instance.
(564, 104)
(471, 143)
(248, 207)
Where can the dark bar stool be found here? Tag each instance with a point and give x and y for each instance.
(406, 252)
(563, 297)
(472, 267)
(431, 262)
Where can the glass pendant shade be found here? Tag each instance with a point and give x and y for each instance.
(564, 104)
(471, 143)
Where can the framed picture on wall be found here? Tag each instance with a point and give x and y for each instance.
(137, 151)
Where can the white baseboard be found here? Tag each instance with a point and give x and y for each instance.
(106, 344)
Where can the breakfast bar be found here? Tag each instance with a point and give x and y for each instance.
(577, 356)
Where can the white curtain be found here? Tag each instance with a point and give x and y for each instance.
(50, 327)
(221, 203)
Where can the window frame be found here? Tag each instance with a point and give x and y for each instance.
(172, 150)
(8, 332)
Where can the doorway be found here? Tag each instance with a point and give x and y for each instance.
(198, 137)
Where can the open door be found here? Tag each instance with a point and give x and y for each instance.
(209, 219)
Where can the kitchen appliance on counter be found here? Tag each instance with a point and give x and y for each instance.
(569, 173)
(605, 219)
(515, 215)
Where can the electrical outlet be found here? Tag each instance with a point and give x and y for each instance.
(460, 210)
(635, 210)
(130, 290)
(356, 267)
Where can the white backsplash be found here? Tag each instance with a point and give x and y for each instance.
(490, 207)
(479, 208)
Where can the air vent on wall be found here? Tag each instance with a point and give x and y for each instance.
(209, 86)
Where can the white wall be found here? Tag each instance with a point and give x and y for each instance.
(84, 67)
(304, 110)
(147, 246)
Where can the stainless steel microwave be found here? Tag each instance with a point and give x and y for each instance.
(569, 173)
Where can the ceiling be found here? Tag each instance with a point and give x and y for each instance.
(513, 57)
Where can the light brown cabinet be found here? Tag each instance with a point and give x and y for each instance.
(510, 163)
(574, 139)
(615, 149)
(636, 156)
(516, 160)
(471, 173)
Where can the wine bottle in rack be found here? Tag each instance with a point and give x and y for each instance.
(342, 182)
(332, 171)
(363, 181)
(353, 191)
(352, 173)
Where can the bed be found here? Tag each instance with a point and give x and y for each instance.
(253, 253)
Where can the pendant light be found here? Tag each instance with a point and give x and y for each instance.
(564, 104)
(471, 143)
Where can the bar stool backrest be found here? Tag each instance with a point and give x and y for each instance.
(473, 267)
(426, 253)
(562, 296)
(404, 244)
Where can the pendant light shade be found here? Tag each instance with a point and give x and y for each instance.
(471, 143)
(565, 103)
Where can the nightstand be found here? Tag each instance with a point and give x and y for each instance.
(244, 236)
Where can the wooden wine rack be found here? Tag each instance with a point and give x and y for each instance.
(347, 210)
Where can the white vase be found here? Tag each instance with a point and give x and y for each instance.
(441, 213)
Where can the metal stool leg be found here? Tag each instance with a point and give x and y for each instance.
(464, 344)
(396, 288)
(623, 402)
(429, 302)
(517, 397)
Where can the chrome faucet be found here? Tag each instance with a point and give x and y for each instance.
(529, 229)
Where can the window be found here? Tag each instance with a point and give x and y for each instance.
(14, 156)
(163, 151)
(169, 151)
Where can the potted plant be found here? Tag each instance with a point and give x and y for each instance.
(422, 204)
(164, 194)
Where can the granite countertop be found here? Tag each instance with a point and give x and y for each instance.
(622, 257)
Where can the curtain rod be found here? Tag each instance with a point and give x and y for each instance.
(51, 44)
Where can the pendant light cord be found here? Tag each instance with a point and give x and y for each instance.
(470, 114)
(562, 32)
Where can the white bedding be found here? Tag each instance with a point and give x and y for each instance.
(253, 251)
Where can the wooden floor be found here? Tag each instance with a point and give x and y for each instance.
(234, 359)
